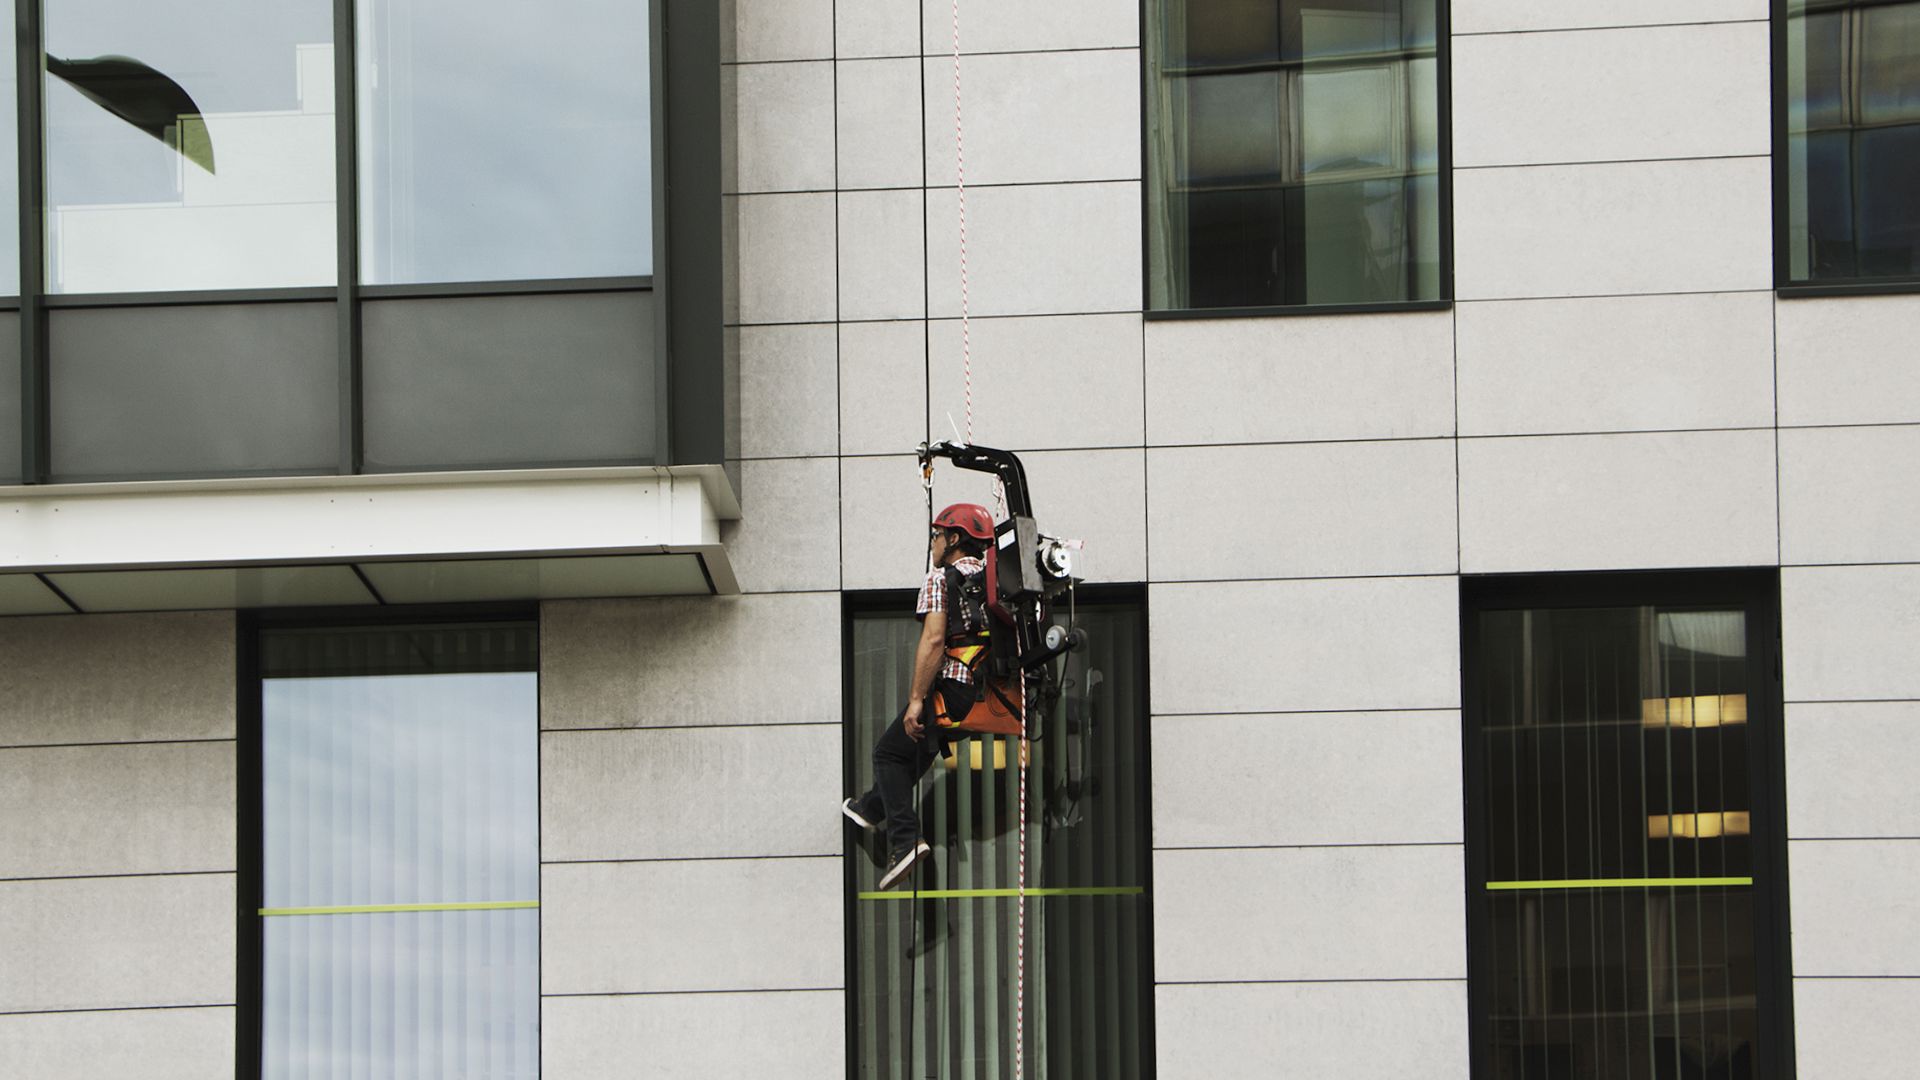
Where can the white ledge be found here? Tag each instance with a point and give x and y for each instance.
(540, 514)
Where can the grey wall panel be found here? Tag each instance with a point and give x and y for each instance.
(1411, 795)
(83, 810)
(503, 381)
(1344, 913)
(117, 942)
(759, 790)
(1856, 1028)
(1353, 1030)
(116, 678)
(690, 661)
(773, 1033)
(691, 924)
(193, 391)
(153, 1044)
(9, 398)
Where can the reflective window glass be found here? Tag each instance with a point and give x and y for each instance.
(1853, 140)
(399, 908)
(189, 147)
(1294, 152)
(1089, 989)
(9, 170)
(498, 147)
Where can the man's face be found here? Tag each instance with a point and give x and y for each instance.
(937, 545)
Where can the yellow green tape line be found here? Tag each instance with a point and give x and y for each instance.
(968, 894)
(1620, 883)
(377, 909)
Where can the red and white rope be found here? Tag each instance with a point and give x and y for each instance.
(960, 193)
(999, 492)
(1020, 951)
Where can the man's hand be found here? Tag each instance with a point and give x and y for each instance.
(911, 721)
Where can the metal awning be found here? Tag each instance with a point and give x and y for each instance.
(344, 540)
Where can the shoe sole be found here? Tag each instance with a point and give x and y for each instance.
(847, 809)
(904, 866)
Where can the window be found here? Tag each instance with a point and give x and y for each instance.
(189, 151)
(1626, 842)
(394, 902)
(342, 181)
(947, 1006)
(1852, 127)
(497, 147)
(1294, 153)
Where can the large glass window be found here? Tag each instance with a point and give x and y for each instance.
(189, 149)
(1624, 834)
(933, 985)
(400, 873)
(1294, 150)
(494, 146)
(1853, 140)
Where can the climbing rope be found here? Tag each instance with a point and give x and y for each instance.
(960, 192)
(1000, 504)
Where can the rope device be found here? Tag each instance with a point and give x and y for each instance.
(1025, 571)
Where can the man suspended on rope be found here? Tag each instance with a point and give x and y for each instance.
(942, 688)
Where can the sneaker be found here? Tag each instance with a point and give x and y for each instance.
(903, 864)
(855, 816)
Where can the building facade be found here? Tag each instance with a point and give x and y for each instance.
(458, 519)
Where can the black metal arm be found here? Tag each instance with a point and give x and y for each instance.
(1001, 463)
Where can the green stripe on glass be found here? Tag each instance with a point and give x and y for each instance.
(1621, 883)
(375, 909)
(969, 894)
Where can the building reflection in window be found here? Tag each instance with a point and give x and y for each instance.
(1853, 140)
(1294, 152)
(1618, 851)
(135, 202)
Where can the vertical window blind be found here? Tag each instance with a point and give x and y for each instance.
(933, 980)
(1617, 836)
(400, 853)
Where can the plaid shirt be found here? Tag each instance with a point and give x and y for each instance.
(933, 597)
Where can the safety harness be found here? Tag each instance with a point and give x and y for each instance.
(994, 675)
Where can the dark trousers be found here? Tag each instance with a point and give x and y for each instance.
(899, 761)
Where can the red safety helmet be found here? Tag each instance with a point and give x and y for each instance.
(969, 518)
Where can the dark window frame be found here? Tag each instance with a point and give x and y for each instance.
(249, 778)
(1443, 104)
(1784, 285)
(1757, 593)
(690, 377)
(896, 601)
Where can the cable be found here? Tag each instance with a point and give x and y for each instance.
(914, 943)
(999, 495)
(1020, 952)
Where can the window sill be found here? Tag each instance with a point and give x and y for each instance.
(314, 293)
(1849, 288)
(1299, 309)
